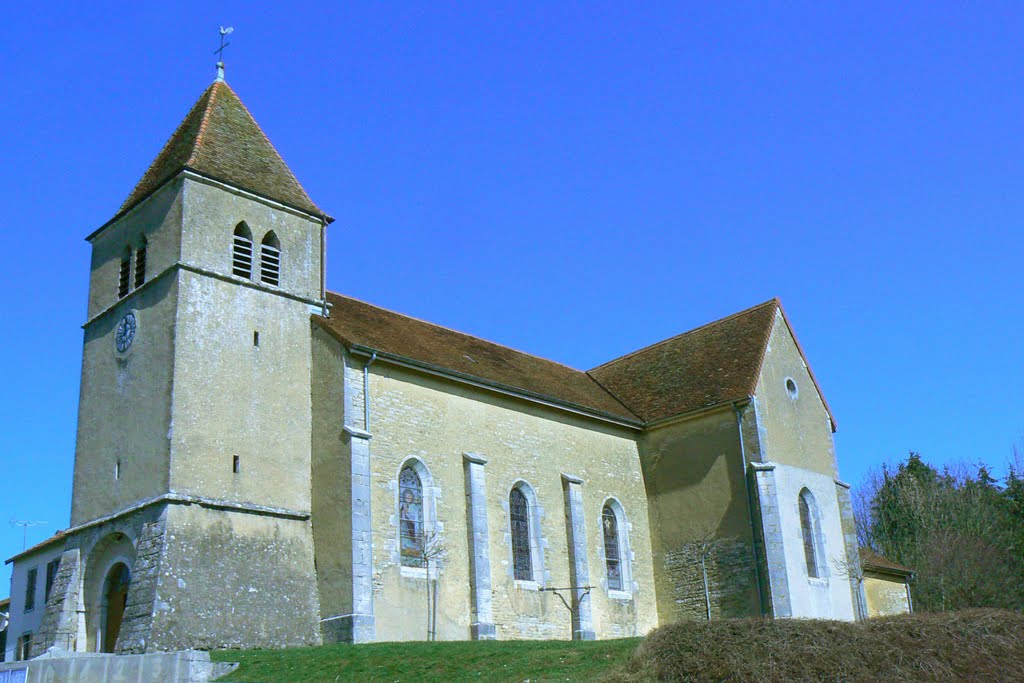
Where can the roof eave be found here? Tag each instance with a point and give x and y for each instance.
(465, 378)
(36, 548)
(738, 402)
(412, 363)
(323, 217)
(892, 571)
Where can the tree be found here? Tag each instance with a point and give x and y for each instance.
(959, 529)
(434, 552)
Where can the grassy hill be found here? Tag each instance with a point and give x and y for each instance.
(522, 660)
(974, 645)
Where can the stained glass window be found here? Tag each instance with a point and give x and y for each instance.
(807, 527)
(612, 557)
(410, 518)
(519, 514)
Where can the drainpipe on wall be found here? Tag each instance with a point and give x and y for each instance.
(738, 409)
(323, 266)
(366, 392)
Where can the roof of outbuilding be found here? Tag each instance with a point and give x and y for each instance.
(871, 560)
(710, 365)
(357, 323)
(220, 139)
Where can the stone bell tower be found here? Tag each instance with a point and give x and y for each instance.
(192, 466)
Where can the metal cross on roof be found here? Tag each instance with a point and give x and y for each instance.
(220, 51)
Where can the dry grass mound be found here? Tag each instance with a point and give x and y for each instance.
(973, 645)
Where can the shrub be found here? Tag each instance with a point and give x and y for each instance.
(976, 645)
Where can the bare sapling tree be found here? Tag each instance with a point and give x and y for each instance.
(433, 553)
(707, 546)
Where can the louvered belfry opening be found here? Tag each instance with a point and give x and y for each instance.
(241, 252)
(140, 264)
(124, 279)
(270, 260)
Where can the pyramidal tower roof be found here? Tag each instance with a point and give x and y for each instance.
(220, 139)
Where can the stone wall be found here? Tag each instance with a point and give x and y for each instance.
(794, 428)
(142, 593)
(436, 423)
(59, 627)
(694, 476)
(234, 579)
(730, 569)
(885, 594)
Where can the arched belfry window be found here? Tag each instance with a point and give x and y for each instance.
(809, 529)
(522, 527)
(241, 252)
(124, 278)
(412, 531)
(140, 264)
(270, 260)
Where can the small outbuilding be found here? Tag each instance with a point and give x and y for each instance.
(886, 585)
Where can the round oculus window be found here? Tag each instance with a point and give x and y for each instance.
(791, 388)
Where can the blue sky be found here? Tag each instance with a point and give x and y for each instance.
(574, 180)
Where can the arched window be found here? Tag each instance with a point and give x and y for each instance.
(519, 519)
(270, 260)
(140, 264)
(241, 252)
(808, 527)
(612, 552)
(124, 279)
(411, 532)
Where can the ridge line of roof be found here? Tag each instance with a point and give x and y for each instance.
(773, 300)
(128, 204)
(464, 334)
(617, 399)
(202, 125)
(278, 153)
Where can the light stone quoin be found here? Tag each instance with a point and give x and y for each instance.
(236, 467)
(482, 626)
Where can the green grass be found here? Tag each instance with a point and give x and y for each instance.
(418, 661)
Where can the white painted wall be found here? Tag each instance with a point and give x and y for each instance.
(828, 597)
(22, 621)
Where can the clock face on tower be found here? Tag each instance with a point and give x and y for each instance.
(125, 333)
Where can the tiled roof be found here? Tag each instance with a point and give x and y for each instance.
(355, 322)
(710, 365)
(220, 139)
(870, 560)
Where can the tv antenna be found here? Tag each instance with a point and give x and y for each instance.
(224, 32)
(25, 524)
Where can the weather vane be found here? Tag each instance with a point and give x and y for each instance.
(220, 51)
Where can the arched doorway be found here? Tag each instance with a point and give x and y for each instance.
(115, 597)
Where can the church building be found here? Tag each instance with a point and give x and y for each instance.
(263, 463)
